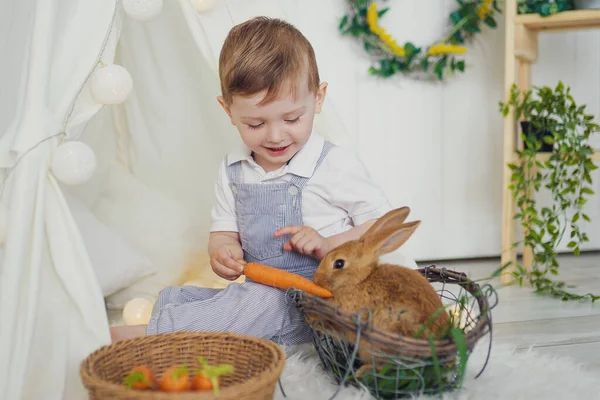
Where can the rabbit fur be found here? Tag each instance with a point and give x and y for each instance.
(401, 299)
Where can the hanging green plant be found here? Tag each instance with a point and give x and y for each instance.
(362, 22)
(552, 117)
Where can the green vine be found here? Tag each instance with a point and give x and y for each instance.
(435, 61)
(555, 119)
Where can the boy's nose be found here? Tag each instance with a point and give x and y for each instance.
(274, 135)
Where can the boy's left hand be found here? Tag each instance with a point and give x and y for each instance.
(304, 240)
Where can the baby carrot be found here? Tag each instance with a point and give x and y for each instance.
(281, 279)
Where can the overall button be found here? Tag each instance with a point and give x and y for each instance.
(293, 190)
(234, 189)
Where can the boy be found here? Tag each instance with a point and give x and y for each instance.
(286, 199)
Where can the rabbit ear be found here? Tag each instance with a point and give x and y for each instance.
(390, 238)
(391, 219)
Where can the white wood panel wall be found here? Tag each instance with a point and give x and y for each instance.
(436, 146)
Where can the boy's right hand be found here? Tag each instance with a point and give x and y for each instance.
(225, 262)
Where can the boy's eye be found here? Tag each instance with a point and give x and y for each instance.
(255, 126)
(291, 121)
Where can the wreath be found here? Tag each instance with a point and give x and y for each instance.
(362, 22)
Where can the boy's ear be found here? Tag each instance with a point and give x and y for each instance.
(321, 91)
(223, 104)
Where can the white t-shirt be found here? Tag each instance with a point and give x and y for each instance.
(337, 197)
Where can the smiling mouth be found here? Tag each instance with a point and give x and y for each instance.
(278, 149)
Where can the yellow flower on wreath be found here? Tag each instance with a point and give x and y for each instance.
(442, 48)
(484, 9)
(383, 35)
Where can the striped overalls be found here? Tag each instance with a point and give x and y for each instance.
(248, 308)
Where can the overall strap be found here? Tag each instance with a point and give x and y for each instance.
(300, 181)
(234, 172)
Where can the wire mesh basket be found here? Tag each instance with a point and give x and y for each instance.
(396, 366)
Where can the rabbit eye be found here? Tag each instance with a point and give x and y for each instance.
(338, 264)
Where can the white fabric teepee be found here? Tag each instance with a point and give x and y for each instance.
(157, 155)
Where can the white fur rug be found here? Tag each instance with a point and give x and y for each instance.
(508, 375)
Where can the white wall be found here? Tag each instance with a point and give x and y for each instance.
(435, 147)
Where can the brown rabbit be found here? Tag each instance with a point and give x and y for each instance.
(401, 299)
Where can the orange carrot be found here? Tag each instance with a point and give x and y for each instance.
(281, 279)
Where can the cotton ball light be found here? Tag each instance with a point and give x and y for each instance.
(111, 84)
(137, 311)
(195, 282)
(73, 163)
(203, 5)
(3, 223)
(143, 10)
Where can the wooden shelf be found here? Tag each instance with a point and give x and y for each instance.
(546, 156)
(520, 52)
(566, 20)
(543, 157)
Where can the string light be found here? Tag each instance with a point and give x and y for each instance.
(203, 5)
(73, 163)
(143, 10)
(111, 84)
(137, 311)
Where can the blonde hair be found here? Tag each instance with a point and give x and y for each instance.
(266, 54)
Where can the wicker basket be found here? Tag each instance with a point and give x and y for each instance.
(412, 366)
(257, 365)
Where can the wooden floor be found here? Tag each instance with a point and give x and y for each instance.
(551, 326)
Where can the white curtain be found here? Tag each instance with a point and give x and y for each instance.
(51, 306)
(157, 158)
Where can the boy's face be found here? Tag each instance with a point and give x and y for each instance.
(275, 132)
